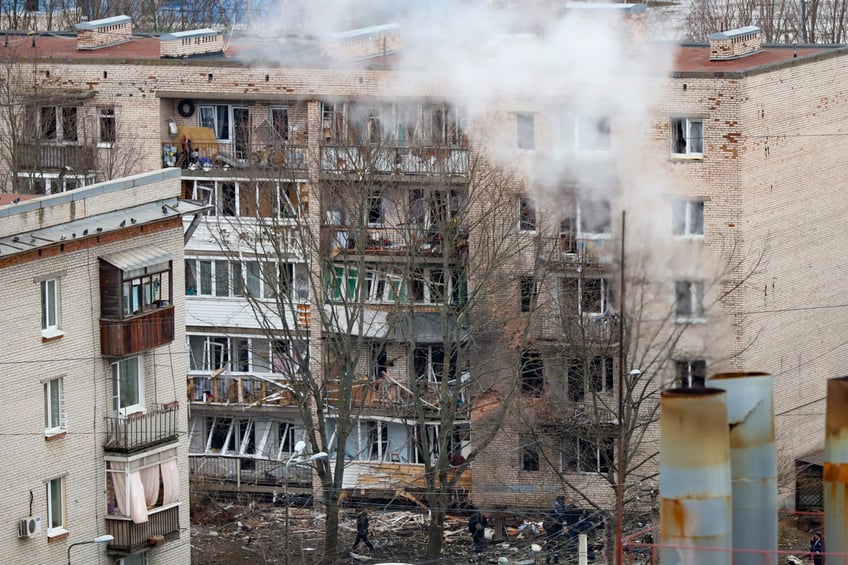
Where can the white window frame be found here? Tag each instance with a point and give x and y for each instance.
(279, 110)
(606, 294)
(525, 131)
(106, 113)
(61, 135)
(124, 411)
(689, 215)
(525, 201)
(56, 183)
(695, 295)
(686, 129)
(55, 419)
(51, 307)
(685, 372)
(54, 515)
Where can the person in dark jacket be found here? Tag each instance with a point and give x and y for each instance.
(362, 529)
(477, 526)
(816, 548)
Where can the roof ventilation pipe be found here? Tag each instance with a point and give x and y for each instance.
(695, 485)
(753, 464)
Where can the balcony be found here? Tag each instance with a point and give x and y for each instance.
(247, 471)
(135, 334)
(141, 431)
(162, 524)
(428, 161)
(239, 390)
(390, 396)
(394, 241)
(391, 476)
(214, 155)
(43, 156)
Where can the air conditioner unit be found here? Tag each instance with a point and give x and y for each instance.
(29, 527)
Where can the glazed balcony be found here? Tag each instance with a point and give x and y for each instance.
(162, 524)
(393, 241)
(142, 430)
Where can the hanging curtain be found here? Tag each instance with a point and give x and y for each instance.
(150, 480)
(170, 482)
(119, 483)
(138, 505)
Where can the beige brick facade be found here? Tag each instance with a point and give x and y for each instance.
(77, 454)
(769, 174)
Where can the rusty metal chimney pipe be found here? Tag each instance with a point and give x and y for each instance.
(835, 476)
(695, 479)
(753, 464)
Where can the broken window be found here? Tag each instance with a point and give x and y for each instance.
(687, 136)
(431, 363)
(333, 122)
(594, 374)
(280, 123)
(529, 290)
(584, 296)
(687, 218)
(529, 454)
(526, 214)
(689, 300)
(106, 126)
(57, 123)
(532, 374)
(690, 372)
(376, 215)
(378, 441)
(594, 453)
(525, 131)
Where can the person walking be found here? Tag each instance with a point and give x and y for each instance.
(477, 526)
(816, 548)
(362, 523)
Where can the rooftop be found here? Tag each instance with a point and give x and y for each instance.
(305, 51)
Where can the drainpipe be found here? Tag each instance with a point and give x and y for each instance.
(695, 483)
(835, 475)
(753, 464)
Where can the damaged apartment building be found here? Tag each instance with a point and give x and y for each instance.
(362, 238)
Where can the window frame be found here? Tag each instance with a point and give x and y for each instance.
(65, 127)
(605, 296)
(690, 373)
(117, 391)
(528, 290)
(687, 216)
(695, 311)
(680, 129)
(526, 207)
(107, 126)
(530, 458)
(51, 303)
(60, 526)
(603, 447)
(273, 112)
(54, 387)
(525, 131)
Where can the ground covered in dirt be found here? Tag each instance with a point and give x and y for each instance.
(240, 533)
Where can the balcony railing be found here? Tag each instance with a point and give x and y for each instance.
(138, 333)
(394, 240)
(246, 470)
(42, 155)
(139, 431)
(162, 524)
(442, 161)
(220, 155)
(391, 396)
(231, 389)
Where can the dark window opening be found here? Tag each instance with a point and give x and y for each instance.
(532, 373)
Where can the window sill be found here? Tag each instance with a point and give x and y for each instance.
(51, 335)
(690, 320)
(690, 237)
(687, 157)
(104, 145)
(54, 435)
(57, 534)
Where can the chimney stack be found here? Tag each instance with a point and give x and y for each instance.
(104, 33)
(193, 42)
(736, 43)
